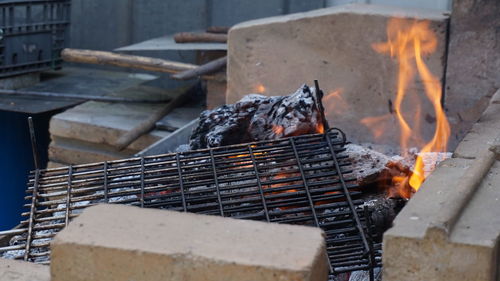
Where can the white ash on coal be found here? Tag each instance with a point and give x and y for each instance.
(257, 117)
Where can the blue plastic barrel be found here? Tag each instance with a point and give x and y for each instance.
(16, 161)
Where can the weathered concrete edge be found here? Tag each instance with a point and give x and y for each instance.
(450, 211)
(23, 271)
(360, 9)
(199, 261)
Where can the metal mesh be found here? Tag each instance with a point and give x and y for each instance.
(303, 180)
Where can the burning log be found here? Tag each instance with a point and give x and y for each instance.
(379, 171)
(257, 117)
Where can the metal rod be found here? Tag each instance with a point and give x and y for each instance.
(348, 196)
(105, 185)
(34, 145)
(68, 195)
(32, 218)
(216, 181)
(181, 182)
(259, 184)
(142, 182)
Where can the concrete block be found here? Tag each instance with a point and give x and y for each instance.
(105, 123)
(333, 45)
(450, 229)
(484, 133)
(415, 249)
(115, 242)
(473, 62)
(216, 93)
(23, 271)
(77, 152)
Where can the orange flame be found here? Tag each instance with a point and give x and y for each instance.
(278, 129)
(378, 125)
(408, 41)
(335, 102)
(260, 89)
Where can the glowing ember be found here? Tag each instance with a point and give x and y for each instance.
(408, 41)
(278, 130)
(260, 89)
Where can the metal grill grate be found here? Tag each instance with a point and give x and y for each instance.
(300, 180)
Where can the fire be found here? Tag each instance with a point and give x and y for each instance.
(335, 102)
(378, 124)
(320, 128)
(260, 89)
(278, 130)
(408, 41)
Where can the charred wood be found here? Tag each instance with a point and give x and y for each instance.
(374, 170)
(258, 117)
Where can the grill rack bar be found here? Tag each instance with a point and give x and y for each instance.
(300, 180)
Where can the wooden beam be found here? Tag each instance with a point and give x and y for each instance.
(123, 60)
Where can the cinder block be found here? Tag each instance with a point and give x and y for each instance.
(116, 242)
(23, 271)
(333, 45)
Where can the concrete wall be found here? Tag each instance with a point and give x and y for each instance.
(429, 4)
(105, 25)
(109, 24)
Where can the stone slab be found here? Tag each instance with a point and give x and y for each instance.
(473, 62)
(105, 123)
(333, 45)
(73, 152)
(11, 270)
(116, 242)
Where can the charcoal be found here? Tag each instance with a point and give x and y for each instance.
(379, 171)
(383, 211)
(257, 117)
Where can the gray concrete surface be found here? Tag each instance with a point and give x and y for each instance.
(116, 242)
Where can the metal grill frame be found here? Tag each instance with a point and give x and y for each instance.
(303, 180)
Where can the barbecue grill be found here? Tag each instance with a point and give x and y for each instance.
(303, 180)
